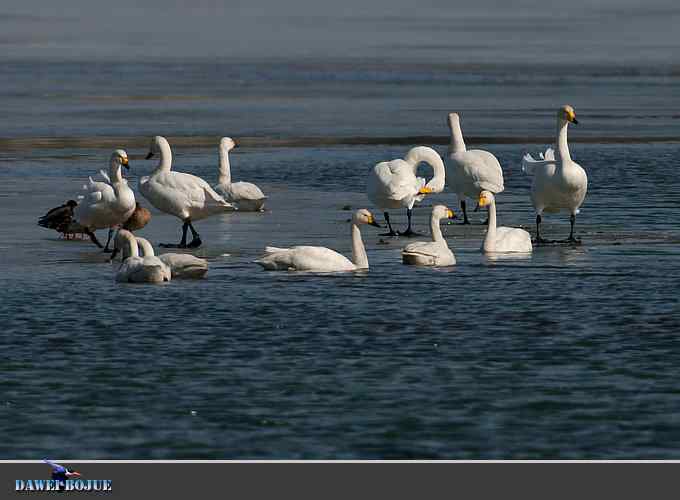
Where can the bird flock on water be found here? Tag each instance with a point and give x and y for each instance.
(558, 184)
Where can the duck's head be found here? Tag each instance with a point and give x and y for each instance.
(72, 203)
(486, 198)
(157, 143)
(443, 212)
(363, 216)
(227, 143)
(120, 157)
(568, 114)
(452, 120)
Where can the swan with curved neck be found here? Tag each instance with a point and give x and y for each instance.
(136, 269)
(321, 259)
(185, 196)
(559, 183)
(394, 184)
(471, 171)
(180, 265)
(106, 205)
(502, 239)
(435, 252)
(245, 195)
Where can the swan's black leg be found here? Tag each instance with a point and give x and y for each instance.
(409, 231)
(387, 219)
(108, 240)
(183, 242)
(195, 238)
(571, 239)
(539, 240)
(93, 238)
(463, 208)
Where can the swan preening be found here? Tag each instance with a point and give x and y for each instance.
(181, 265)
(185, 196)
(137, 269)
(393, 184)
(472, 171)
(435, 252)
(502, 239)
(559, 183)
(245, 195)
(321, 259)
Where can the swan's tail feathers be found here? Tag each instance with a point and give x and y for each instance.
(276, 259)
(212, 198)
(529, 163)
(549, 154)
(270, 250)
(105, 176)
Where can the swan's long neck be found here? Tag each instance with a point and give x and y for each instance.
(457, 142)
(435, 229)
(115, 174)
(165, 162)
(359, 256)
(225, 169)
(130, 248)
(431, 157)
(147, 249)
(562, 144)
(490, 239)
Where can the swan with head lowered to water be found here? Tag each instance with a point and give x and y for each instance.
(321, 259)
(181, 265)
(394, 184)
(137, 269)
(435, 252)
(185, 196)
(245, 195)
(502, 239)
(559, 183)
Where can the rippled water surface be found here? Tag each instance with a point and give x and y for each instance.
(571, 353)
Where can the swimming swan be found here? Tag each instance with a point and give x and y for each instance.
(185, 196)
(321, 259)
(393, 184)
(136, 269)
(435, 252)
(502, 239)
(559, 183)
(181, 265)
(471, 171)
(245, 195)
(106, 204)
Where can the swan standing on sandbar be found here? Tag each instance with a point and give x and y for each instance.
(559, 183)
(185, 196)
(106, 205)
(435, 252)
(393, 184)
(502, 239)
(245, 195)
(321, 259)
(473, 171)
(136, 269)
(181, 265)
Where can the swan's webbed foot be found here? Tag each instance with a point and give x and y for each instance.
(572, 241)
(538, 241)
(195, 243)
(409, 233)
(391, 234)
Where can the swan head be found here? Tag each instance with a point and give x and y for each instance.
(363, 216)
(120, 157)
(157, 144)
(453, 120)
(442, 212)
(486, 198)
(227, 143)
(567, 114)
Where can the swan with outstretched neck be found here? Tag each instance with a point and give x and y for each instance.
(502, 239)
(435, 252)
(245, 195)
(137, 269)
(471, 171)
(394, 184)
(559, 183)
(321, 259)
(181, 265)
(185, 196)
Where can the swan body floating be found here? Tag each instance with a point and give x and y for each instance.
(185, 196)
(435, 252)
(559, 183)
(136, 269)
(321, 259)
(245, 195)
(502, 239)
(106, 204)
(393, 184)
(181, 265)
(471, 171)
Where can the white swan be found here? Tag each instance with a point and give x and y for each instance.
(321, 259)
(136, 269)
(245, 195)
(393, 184)
(471, 171)
(181, 265)
(559, 183)
(435, 252)
(105, 205)
(502, 239)
(185, 196)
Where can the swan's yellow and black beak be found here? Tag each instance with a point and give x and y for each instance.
(425, 190)
(482, 201)
(125, 163)
(373, 222)
(450, 214)
(571, 117)
(149, 156)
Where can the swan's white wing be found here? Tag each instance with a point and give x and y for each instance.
(185, 266)
(305, 258)
(106, 177)
(393, 181)
(513, 239)
(484, 170)
(245, 191)
(529, 164)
